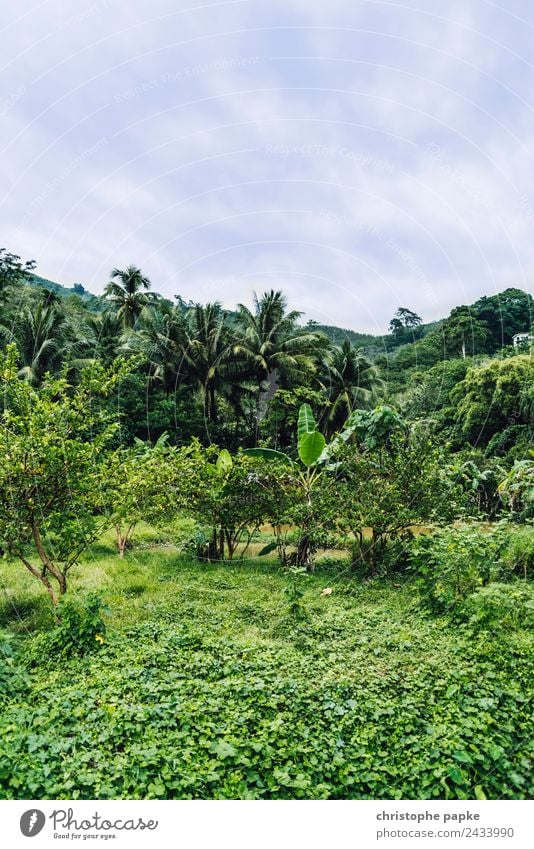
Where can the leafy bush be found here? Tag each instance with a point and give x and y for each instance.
(231, 497)
(479, 479)
(392, 488)
(452, 563)
(137, 485)
(500, 607)
(518, 556)
(295, 591)
(394, 555)
(517, 490)
(81, 627)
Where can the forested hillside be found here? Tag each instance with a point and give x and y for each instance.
(238, 377)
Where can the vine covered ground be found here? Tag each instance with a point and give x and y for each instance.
(207, 685)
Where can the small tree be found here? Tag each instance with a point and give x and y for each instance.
(51, 442)
(13, 270)
(463, 333)
(405, 325)
(137, 484)
(389, 482)
(231, 496)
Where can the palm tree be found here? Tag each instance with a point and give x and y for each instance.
(163, 339)
(351, 382)
(127, 294)
(273, 348)
(206, 353)
(42, 334)
(104, 336)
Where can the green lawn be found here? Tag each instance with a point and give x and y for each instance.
(207, 687)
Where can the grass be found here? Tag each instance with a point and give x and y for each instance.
(207, 687)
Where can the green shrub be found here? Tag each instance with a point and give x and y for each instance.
(517, 490)
(394, 555)
(81, 627)
(518, 556)
(294, 592)
(452, 563)
(195, 541)
(500, 607)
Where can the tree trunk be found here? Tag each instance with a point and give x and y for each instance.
(213, 405)
(41, 576)
(304, 553)
(265, 395)
(48, 566)
(230, 544)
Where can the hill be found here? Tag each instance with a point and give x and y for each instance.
(92, 302)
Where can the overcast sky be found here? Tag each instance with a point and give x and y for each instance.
(358, 154)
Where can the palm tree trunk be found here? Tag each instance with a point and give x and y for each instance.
(210, 404)
(265, 393)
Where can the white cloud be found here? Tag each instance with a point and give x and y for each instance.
(357, 154)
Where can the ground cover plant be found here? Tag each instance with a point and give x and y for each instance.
(205, 684)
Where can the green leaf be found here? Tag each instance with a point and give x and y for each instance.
(267, 549)
(353, 422)
(479, 793)
(224, 462)
(268, 454)
(306, 423)
(311, 446)
(463, 757)
(224, 750)
(457, 775)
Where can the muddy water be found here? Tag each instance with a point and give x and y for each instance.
(416, 530)
(255, 547)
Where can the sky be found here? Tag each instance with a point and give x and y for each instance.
(360, 155)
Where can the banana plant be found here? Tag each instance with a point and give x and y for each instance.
(316, 458)
(308, 470)
(370, 427)
(311, 446)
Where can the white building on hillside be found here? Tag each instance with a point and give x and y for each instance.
(521, 338)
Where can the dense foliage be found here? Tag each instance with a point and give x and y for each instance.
(381, 651)
(207, 688)
(233, 377)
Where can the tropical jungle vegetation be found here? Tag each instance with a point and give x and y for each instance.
(245, 556)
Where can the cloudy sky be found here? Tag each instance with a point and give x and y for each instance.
(358, 154)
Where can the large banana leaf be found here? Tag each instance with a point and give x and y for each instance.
(268, 454)
(351, 424)
(306, 422)
(311, 446)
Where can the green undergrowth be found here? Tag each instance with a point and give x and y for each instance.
(205, 686)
